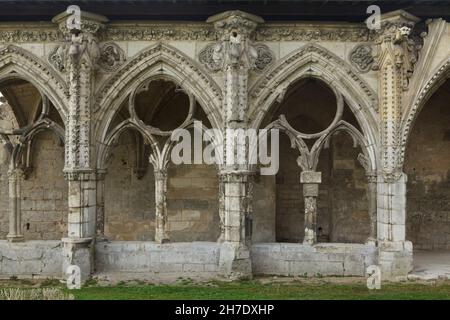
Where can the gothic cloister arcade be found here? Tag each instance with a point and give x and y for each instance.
(88, 120)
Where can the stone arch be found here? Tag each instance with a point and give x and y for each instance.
(160, 60)
(16, 62)
(317, 62)
(439, 76)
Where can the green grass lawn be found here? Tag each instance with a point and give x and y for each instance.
(246, 290)
(256, 289)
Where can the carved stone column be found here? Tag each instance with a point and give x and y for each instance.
(311, 181)
(372, 198)
(80, 54)
(100, 208)
(395, 61)
(161, 234)
(234, 55)
(16, 177)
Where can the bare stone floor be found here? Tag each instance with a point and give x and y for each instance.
(431, 265)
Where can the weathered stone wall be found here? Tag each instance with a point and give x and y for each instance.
(264, 209)
(288, 259)
(348, 203)
(181, 259)
(44, 193)
(427, 165)
(129, 201)
(192, 203)
(42, 259)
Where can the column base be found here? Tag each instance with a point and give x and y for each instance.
(395, 259)
(80, 252)
(235, 262)
(15, 238)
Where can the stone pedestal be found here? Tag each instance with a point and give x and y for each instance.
(234, 260)
(79, 252)
(235, 253)
(395, 254)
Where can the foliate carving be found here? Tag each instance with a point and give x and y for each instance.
(212, 57)
(57, 58)
(111, 56)
(108, 57)
(216, 56)
(192, 32)
(17, 36)
(274, 32)
(361, 57)
(154, 32)
(264, 57)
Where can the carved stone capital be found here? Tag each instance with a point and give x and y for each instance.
(398, 44)
(16, 174)
(236, 21)
(236, 30)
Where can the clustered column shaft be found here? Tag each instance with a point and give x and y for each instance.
(161, 235)
(15, 213)
(311, 181)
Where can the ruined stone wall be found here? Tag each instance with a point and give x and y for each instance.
(44, 193)
(427, 165)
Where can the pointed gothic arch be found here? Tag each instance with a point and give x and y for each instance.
(158, 61)
(18, 63)
(314, 61)
(439, 76)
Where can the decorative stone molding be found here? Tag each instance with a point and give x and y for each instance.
(158, 32)
(275, 32)
(191, 32)
(31, 34)
(361, 57)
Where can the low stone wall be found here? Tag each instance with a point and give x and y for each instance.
(43, 259)
(30, 259)
(294, 259)
(182, 259)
